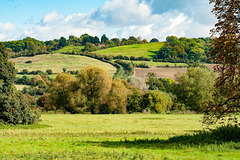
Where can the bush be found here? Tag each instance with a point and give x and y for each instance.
(157, 101)
(28, 62)
(133, 58)
(24, 71)
(142, 65)
(49, 72)
(227, 133)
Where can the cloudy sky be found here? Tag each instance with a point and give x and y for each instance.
(51, 19)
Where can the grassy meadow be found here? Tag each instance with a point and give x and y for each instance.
(69, 49)
(136, 136)
(149, 50)
(57, 62)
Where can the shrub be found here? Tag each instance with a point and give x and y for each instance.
(49, 72)
(156, 101)
(142, 65)
(133, 58)
(227, 133)
(28, 62)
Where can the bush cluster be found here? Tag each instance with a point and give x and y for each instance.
(94, 91)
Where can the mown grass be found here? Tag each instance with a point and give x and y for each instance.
(138, 136)
(56, 62)
(149, 50)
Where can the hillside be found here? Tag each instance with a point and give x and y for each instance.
(69, 49)
(56, 62)
(148, 50)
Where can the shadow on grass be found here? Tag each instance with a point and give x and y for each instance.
(20, 126)
(219, 136)
(155, 54)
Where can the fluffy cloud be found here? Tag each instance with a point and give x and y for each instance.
(55, 25)
(6, 31)
(124, 18)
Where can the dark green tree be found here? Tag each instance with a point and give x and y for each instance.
(154, 40)
(14, 106)
(104, 38)
(62, 42)
(154, 83)
(194, 87)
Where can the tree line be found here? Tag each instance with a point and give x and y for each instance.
(31, 46)
(185, 50)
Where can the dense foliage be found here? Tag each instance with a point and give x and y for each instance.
(30, 46)
(95, 92)
(225, 52)
(14, 106)
(194, 87)
(185, 50)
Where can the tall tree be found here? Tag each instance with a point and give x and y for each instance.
(95, 84)
(60, 92)
(226, 53)
(14, 106)
(62, 42)
(104, 38)
(194, 87)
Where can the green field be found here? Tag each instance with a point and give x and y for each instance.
(136, 136)
(70, 49)
(149, 50)
(58, 61)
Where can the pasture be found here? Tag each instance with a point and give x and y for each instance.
(56, 62)
(69, 49)
(136, 136)
(149, 50)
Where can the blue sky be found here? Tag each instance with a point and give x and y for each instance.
(50, 19)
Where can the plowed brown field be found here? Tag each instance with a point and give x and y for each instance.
(163, 72)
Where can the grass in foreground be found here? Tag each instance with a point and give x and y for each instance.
(58, 61)
(149, 50)
(139, 136)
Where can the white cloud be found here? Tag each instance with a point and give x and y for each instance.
(55, 25)
(51, 17)
(124, 12)
(124, 18)
(6, 27)
(7, 31)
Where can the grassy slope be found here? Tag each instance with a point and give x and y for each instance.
(149, 50)
(103, 136)
(70, 49)
(58, 61)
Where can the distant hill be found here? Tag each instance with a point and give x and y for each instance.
(148, 50)
(56, 62)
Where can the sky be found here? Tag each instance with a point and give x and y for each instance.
(51, 19)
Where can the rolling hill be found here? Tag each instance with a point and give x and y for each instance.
(149, 50)
(56, 62)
